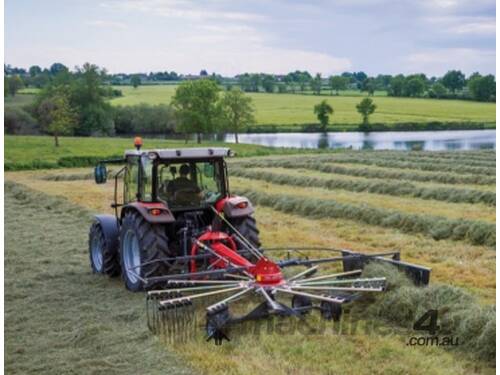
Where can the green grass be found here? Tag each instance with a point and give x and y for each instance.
(18, 101)
(35, 152)
(287, 109)
(60, 318)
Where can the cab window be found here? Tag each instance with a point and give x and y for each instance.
(189, 184)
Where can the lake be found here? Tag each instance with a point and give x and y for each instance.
(425, 140)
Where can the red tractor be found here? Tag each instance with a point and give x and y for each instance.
(180, 234)
(169, 197)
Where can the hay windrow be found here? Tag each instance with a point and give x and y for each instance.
(459, 313)
(321, 166)
(403, 163)
(453, 195)
(474, 232)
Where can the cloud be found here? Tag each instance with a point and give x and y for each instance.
(437, 62)
(464, 25)
(107, 24)
(183, 9)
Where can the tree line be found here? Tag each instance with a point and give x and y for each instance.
(75, 103)
(452, 85)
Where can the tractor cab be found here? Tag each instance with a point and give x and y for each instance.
(184, 179)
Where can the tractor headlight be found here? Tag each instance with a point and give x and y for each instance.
(152, 155)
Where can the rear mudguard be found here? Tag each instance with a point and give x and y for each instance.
(145, 210)
(111, 230)
(234, 207)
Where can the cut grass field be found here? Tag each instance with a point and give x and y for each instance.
(91, 324)
(453, 262)
(287, 109)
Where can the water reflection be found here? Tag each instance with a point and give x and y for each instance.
(425, 140)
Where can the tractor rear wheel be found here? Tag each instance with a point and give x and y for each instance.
(247, 227)
(103, 259)
(142, 242)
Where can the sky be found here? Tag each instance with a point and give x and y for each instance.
(274, 36)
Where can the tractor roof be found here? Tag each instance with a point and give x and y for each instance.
(184, 153)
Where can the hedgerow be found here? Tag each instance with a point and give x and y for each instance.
(318, 165)
(472, 231)
(460, 313)
(378, 187)
(401, 163)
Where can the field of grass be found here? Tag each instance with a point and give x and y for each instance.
(20, 100)
(36, 152)
(59, 267)
(287, 109)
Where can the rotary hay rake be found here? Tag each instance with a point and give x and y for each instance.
(174, 308)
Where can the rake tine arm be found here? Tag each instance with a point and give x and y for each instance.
(339, 288)
(331, 276)
(269, 300)
(239, 277)
(303, 273)
(229, 299)
(192, 289)
(342, 281)
(310, 295)
(199, 282)
(201, 295)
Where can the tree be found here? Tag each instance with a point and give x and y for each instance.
(56, 116)
(203, 73)
(237, 112)
(303, 78)
(323, 111)
(482, 88)
(414, 86)
(454, 80)
(196, 106)
(316, 84)
(366, 107)
(15, 83)
(268, 82)
(88, 98)
(34, 70)
(437, 90)
(57, 68)
(338, 83)
(397, 85)
(368, 85)
(135, 80)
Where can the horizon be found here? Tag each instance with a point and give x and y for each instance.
(230, 38)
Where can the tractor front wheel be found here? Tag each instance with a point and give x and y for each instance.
(103, 259)
(142, 246)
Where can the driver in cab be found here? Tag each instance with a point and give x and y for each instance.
(182, 190)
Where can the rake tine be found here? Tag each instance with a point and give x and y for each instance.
(333, 275)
